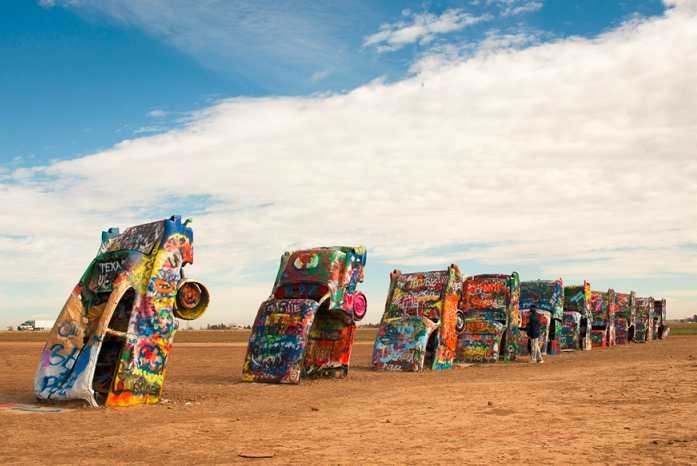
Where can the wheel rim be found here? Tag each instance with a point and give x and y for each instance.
(360, 306)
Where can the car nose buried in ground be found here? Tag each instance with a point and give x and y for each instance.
(421, 322)
(625, 317)
(306, 327)
(644, 321)
(548, 297)
(491, 318)
(110, 343)
(603, 311)
(576, 326)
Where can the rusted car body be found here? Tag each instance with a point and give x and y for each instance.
(420, 325)
(625, 317)
(306, 327)
(576, 326)
(547, 296)
(491, 318)
(603, 311)
(644, 320)
(111, 342)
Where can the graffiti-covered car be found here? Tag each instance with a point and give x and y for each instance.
(661, 330)
(548, 297)
(110, 343)
(421, 322)
(491, 318)
(603, 311)
(625, 317)
(306, 327)
(644, 320)
(576, 326)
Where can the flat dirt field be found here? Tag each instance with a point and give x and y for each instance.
(629, 404)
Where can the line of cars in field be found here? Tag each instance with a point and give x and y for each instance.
(111, 341)
(433, 319)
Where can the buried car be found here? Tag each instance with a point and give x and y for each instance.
(644, 320)
(576, 326)
(491, 318)
(603, 310)
(625, 317)
(548, 297)
(306, 327)
(659, 319)
(111, 342)
(421, 322)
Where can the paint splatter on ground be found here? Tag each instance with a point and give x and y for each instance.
(29, 408)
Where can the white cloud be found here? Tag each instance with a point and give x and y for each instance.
(516, 7)
(577, 155)
(265, 45)
(157, 113)
(420, 28)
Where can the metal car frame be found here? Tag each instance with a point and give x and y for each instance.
(306, 327)
(491, 318)
(420, 325)
(112, 339)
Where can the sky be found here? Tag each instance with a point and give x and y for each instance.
(553, 137)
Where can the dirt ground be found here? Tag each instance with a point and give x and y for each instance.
(629, 404)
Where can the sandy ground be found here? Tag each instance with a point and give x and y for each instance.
(630, 404)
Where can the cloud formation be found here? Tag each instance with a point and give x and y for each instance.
(578, 155)
(421, 28)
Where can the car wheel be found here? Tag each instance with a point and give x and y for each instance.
(360, 306)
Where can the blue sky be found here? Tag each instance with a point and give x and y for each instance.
(542, 136)
(83, 77)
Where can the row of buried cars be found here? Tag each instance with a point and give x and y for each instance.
(112, 339)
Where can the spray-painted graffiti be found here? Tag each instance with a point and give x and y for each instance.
(491, 318)
(625, 317)
(577, 321)
(661, 330)
(545, 320)
(546, 295)
(644, 319)
(603, 311)
(307, 325)
(111, 341)
(419, 326)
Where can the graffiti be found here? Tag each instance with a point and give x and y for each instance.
(112, 339)
(523, 340)
(490, 304)
(418, 327)
(68, 329)
(306, 327)
(548, 296)
(577, 320)
(141, 238)
(644, 311)
(625, 317)
(603, 313)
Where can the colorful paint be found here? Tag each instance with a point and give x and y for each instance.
(420, 325)
(625, 317)
(644, 320)
(577, 320)
(661, 330)
(546, 295)
(307, 325)
(545, 319)
(111, 342)
(491, 318)
(603, 311)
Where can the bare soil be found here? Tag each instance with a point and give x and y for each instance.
(629, 404)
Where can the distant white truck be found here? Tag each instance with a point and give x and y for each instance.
(36, 325)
